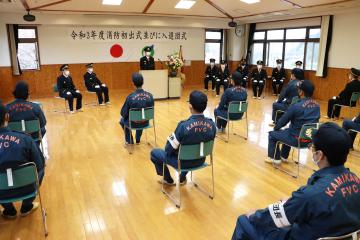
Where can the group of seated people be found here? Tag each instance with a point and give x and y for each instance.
(68, 91)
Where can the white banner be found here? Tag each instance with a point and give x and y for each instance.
(104, 34)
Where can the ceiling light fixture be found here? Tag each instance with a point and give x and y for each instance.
(185, 4)
(250, 1)
(111, 2)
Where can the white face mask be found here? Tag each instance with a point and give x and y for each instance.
(279, 65)
(259, 67)
(66, 72)
(298, 66)
(147, 54)
(222, 66)
(90, 70)
(212, 64)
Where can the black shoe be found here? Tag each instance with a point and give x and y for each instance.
(183, 181)
(9, 213)
(26, 210)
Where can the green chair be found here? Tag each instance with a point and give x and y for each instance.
(29, 127)
(304, 140)
(355, 97)
(56, 92)
(139, 115)
(191, 153)
(279, 113)
(350, 236)
(23, 175)
(235, 107)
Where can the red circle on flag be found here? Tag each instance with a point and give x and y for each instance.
(116, 51)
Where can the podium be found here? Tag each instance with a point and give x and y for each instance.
(156, 82)
(175, 87)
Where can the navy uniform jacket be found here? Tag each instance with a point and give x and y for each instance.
(345, 95)
(137, 99)
(289, 92)
(357, 119)
(147, 63)
(23, 110)
(65, 84)
(20, 148)
(224, 75)
(244, 71)
(91, 80)
(327, 206)
(212, 72)
(236, 93)
(306, 110)
(278, 75)
(258, 76)
(194, 130)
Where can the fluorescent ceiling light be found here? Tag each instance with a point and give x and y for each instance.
(250, 1)
(111, 2)
(185, 4)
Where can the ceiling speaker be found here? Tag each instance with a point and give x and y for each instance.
(29, 18)
(232, 24)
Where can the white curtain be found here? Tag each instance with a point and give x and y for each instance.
(325, 23)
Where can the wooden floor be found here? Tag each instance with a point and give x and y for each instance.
(93, 188)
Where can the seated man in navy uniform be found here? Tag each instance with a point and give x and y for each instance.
(93, 84)
(298, 65)
(15, 149)
(258, 77)
(243, 68)
(224, 76)
(345, 95)
(194, 130)
(67, 89)
(211, 74)
(21, 109)
(305, 111)
(328, 206)
(352, 124)
(147, 62)
(287, 94)
(236, 93)
(278, 77)
(138, 99)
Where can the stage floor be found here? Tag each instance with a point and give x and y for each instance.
(93, 188)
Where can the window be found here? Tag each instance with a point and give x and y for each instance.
(213, 45)
(28, 49)
(289, 44)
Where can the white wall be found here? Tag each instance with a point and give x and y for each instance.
(236, 45)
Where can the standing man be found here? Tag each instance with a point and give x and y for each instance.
(147, 62)
(137, 99)
(67, 89)
(243, 68)
(224, 77)
(258, 77)
(211, 74)
(345, 95)
(352, 124)
(305, 111)
(278, 77)
(21, 109)
(194, 130)
(15, 149)
(93, 84)
(328, 206)
(236, 93)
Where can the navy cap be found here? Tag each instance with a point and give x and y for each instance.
(236, 77)
(21, 90)
(333, 141)
(137, 79)
(355, 72)
(243, 61)
(90, 65)
(298, 63)
(64, 67)
(223, 62)
(147, 49)
(260, 62)
(278, 61)
(298, 73)
(198, 100)
(307, 87)
(212, 59)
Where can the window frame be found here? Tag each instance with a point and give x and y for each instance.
(267, 42)
(31, 40)
(221, 41)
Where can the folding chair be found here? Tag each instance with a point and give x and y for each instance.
(191, 153)
(140, 115)
(350, 236)
(304, 140)
(56, 91)
(23, 175)
(92, 103)
(235, 107)
(29, 127)
(355, 97)
(279, 113)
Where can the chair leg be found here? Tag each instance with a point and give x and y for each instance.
(247, 128)
(155, 135)
(43, 214)
(211, 195)
(172, 198)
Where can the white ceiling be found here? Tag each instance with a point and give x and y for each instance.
(266, 10)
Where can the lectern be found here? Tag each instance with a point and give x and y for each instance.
(156, 82)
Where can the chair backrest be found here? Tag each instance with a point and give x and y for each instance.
(238, 107)
(55, 88)
(351, 236)
(141, 114)
(32, 126)
(355, 96)
(20, 176)
(307, 131)
(196, 151)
